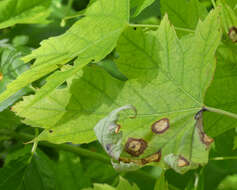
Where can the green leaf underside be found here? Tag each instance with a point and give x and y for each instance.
(183, 13)
(23, 12)
(168, 84)
(85, 41)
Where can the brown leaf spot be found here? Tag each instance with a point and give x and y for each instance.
(207, 140)
(233, 34)
(182, 162)
(153, 158)
(1, 76)
(127, 160)
(160, 126)
(117, 129)
(50, 130)
(135, 147)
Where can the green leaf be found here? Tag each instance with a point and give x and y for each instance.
(235, 143)
(228, 16)
(183, 13)
(23, 12)
(83, 41)
(123, 184)
(229, 183)
(17, 154)
(110, 66)
(140, 5)
(98, 186)
(20, 40)
(8, 120)
(11, 67)
(69, 172)
(169, 85)
(161, 183)
(222, 92)
(20, 174)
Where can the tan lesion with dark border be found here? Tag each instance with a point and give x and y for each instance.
(182, 162)
(135, 147)
(160, 126)
(156, 157)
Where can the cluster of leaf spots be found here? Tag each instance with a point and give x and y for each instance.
(109, 134)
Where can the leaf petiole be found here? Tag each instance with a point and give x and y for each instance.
(224, 158)
(157, 26)
(222, 112)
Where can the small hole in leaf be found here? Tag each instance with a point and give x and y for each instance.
(134, 28)
(160, 126)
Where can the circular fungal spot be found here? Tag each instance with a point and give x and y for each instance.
(233, 34)
(182, 162)
(160, 126)
(135, 147)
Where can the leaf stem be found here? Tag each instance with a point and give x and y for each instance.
(213, 3)
(222, 112)
(33, 150)
(66, 147)
(224, 158)
(157, 26)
